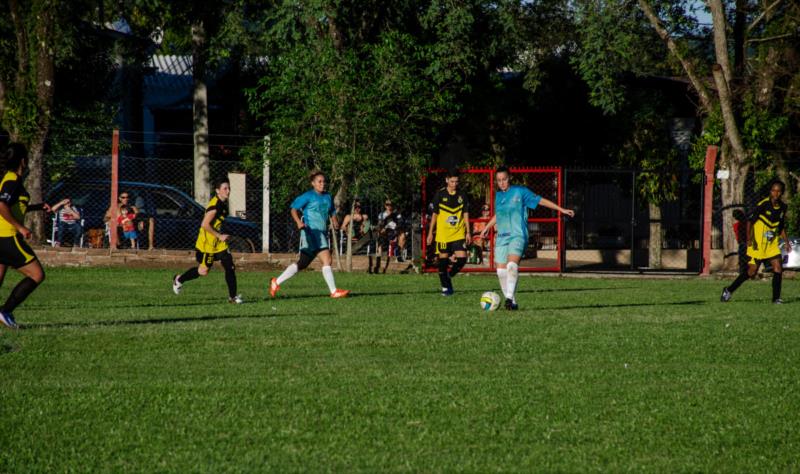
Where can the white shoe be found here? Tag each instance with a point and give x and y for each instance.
(176, 285)
(236, 299)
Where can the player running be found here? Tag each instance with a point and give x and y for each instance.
(310, 212)
(449, 221)
(14, 251)
(511, 219)
(766, 223)
(212, 245)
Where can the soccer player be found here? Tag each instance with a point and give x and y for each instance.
(14, 251)
(212, 245)
(511, 219)
(310, 212)
(766, 223)
(449, 223)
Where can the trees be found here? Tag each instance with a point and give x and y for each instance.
(744, 85)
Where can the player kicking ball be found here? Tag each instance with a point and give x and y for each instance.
(449, 223)
(511, 204)
(766, 224)
(310, 212)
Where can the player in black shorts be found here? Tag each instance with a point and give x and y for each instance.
(14, 250)
(449, 224)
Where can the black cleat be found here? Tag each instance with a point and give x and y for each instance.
(726, 295)
(777, 301)
(511, 306)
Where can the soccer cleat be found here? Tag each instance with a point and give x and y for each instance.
(8, 320)
(726, 295)
(176, 285)
(510, 305)
(777, 301)
(274, 287)
(340, 293)
(447, 291)
(236, 299)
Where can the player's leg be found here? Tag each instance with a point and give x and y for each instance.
(750, 272)
(327, 274)
(443, 264)
(512, 276)
(226, 260)
(501, 261)
(3, 269)
(460, 251)
(34, 276)
(204, 260)
(777, 279)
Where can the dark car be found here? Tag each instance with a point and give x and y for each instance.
(177, 215)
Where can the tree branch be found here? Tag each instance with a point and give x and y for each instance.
(22, 46)
(728, 117)
(697, 83)
(763, 15)
(771, 38)
(721, 38)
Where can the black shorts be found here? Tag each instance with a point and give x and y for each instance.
(451, 247)
(15, 252)
(208, 259)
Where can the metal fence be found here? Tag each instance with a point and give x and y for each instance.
(615, 228)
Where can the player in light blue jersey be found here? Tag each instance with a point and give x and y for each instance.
(311, 211)
(511, 204)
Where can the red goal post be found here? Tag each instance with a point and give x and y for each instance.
(544, 252)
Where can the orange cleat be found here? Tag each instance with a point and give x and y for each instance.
(340, 293)
(274, 287)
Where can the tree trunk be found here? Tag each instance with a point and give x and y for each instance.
(655, 242)
(732, 194)
(202, 186)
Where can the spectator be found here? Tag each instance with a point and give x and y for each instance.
(360, 221)
(391, 231)
(740, 230)
(479, 244)
(68, 219)
(145, 222)
(112, 213)
(126, 220)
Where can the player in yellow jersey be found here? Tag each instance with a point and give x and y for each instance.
(767, 222)
(14, 251)
(450, 223)
(212, 245)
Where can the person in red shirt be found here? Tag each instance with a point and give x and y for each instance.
(126, 221)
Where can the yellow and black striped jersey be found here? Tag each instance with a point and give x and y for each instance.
(768, 221)
(207, 242)
(13, 193)
(450, 210)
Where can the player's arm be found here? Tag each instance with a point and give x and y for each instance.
(467, 233)
(206, 225)
(488, 227)
(431, 228)
(298, 218)
(551, 205)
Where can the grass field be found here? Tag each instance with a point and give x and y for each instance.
(112, 372)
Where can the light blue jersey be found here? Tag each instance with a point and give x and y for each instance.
(316, 209)
(511, 211)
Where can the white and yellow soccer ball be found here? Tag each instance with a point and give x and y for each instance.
(490, 301)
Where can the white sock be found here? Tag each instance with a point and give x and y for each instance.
(327, 273)
(288, 273)
(513, 275)
(502, 275)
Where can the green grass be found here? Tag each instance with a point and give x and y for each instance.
(113, 372)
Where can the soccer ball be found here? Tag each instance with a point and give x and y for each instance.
(490, 301)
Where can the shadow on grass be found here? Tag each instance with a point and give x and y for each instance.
(162, 320)
(625, 305)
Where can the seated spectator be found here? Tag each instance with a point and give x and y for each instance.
(68, 220)
(391, 231)
(360, 221)
(479, 244)
(126, 220)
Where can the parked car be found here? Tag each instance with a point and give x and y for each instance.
(177, 215)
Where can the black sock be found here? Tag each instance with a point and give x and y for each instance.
(189, 275)
(377, 264)
(738, 281)
(444, 276)
(230, 279)
(777, 278)
(460, 262)
(19, 293)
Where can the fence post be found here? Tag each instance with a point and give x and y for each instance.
(708, 203)
(112, 225)
(265, 199)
